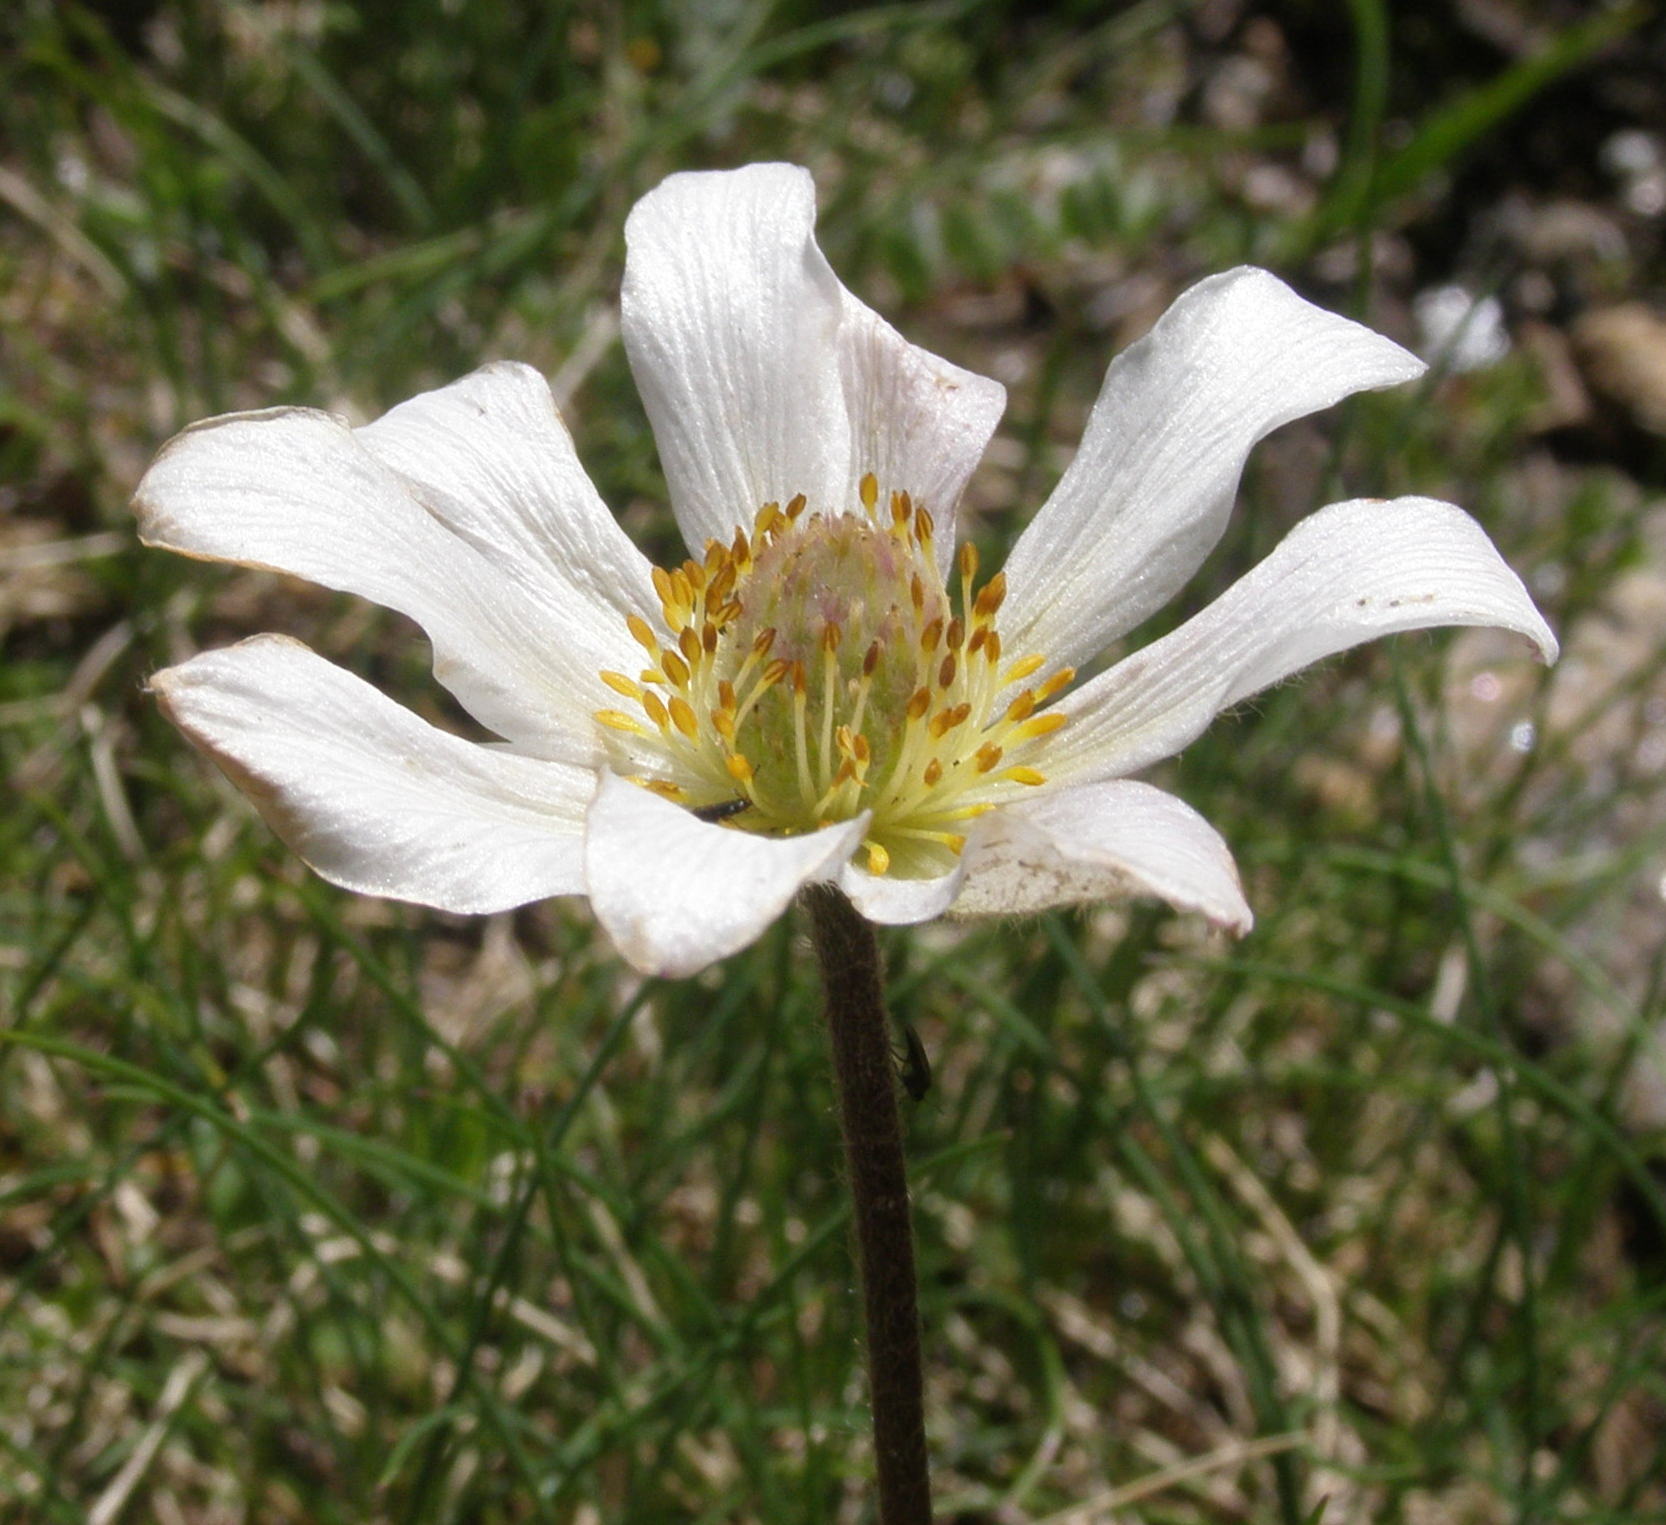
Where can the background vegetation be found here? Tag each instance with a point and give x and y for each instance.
(323, 1209)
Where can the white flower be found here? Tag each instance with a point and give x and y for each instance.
(822, 692)
(1459, 331)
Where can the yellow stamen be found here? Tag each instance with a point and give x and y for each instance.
(1042, 725)
(991, 597)
(903, 722)
(683, 717)
(1059, 680)
(643, 633)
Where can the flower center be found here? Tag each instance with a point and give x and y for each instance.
(816, 670)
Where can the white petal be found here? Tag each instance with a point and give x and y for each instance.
(919, 424)
(375, 799)
(763, 377)
(676, 893)
(1149, 492)
(292, 489)
(730, 315)
(1344, 575)
(900, 902)
(1104, 841)
(490, 457)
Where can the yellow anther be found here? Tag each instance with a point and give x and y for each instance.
(696, 575)
(879, 861)
(620, 684)
(664, 788)
(1024, 667)
(831, 635)
(1023, 706)
(663, 586)
(916, 592)
(796, 506)
(654, 706)
(919, 703)
(968, 561)
(618, 720)
(723, 722)
(778, 669)
(933, 774)
(869, 489)
(764, 639)
(675, 668)
(708, 638)
(992, 648)
(684, 591)
(988, 755)
(979, 636)
(871, 660)
(643, 633)
(689, 644)
(768, 517)
(1025, 776)
(946, 672)
(1061, 679)
(955, 634)
(924, 524)
(931, 635)
(739, 769)
(945, 721)
(1042, 725)
(682, 716)
(990, 597)
(726, 693)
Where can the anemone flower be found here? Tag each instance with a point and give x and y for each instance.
(825, 695)
(823, 691)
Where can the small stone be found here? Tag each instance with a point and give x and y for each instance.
(1621, 352)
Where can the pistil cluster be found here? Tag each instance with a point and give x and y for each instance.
(816, 668)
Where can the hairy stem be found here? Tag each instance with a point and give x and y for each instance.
(861, 1038)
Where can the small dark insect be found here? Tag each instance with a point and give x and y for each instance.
(916, 1064)
(720, 810)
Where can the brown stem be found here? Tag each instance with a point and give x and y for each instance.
(861, 1037)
